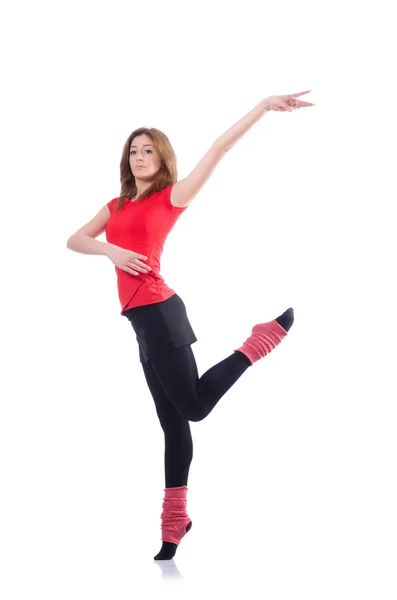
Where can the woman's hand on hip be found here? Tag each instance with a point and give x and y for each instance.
(128, 260)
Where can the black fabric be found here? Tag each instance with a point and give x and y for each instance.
(164, 336)
(178, 443)
(194, 397)
(180, 395)
(160, 327)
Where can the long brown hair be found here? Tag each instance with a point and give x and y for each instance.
(167, 174)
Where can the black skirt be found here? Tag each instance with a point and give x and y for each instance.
(160, 327)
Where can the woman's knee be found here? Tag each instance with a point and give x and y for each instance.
(192, 413)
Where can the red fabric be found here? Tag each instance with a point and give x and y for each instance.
(143, 227)
(174, 517)
(264, 338)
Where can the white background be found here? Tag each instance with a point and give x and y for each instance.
(292, 488)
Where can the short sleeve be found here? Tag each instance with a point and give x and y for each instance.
(112, 204)
(174, 209)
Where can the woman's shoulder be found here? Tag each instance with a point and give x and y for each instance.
(112, 204)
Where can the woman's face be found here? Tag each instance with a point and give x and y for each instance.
(144, 160)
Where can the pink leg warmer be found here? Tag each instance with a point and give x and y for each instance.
(174, 517)
(264, 338)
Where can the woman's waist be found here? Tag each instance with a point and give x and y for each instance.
(152, 275)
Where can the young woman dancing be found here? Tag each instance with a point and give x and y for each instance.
(136, 225)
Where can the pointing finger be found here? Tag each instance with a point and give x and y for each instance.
(298, 94)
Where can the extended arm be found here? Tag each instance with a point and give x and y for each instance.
(184, 191)
(236, 132)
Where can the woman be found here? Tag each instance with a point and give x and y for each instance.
(137, 224)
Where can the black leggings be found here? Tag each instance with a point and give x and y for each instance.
(181, 396)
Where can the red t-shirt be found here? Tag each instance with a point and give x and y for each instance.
(143, 227)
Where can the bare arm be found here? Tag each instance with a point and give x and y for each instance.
(236, 132)
(79, 242)
(84, 241)
(286, 102)
(185, 191)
